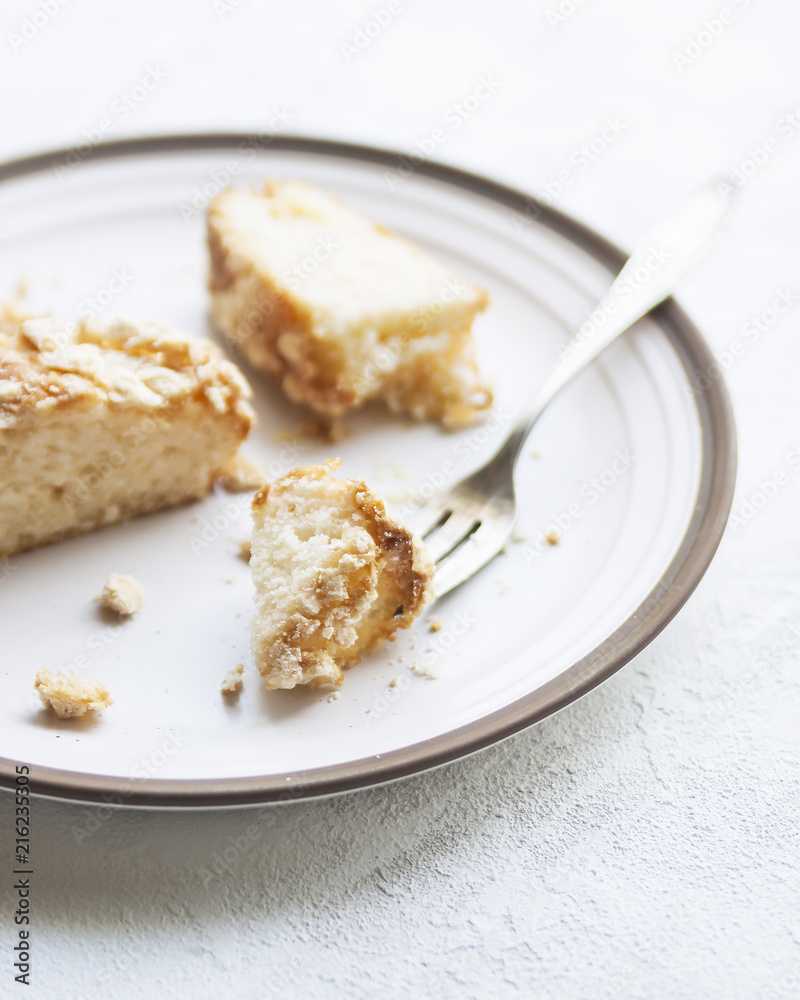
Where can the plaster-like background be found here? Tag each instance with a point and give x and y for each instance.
(642, 844)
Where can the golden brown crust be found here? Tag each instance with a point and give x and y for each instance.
(261, 497)
(399, 548)
(220, 275)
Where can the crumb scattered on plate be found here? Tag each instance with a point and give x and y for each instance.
(239, 475)
(386, 469)
(232, 682)
(245, 550)
(436, 625)
(121, 594)
(394, 682)
(552, 537)
(333, 696)
(398, 496)
(426, 670)
(71, 697)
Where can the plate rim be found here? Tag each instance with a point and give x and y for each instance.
(679, 580)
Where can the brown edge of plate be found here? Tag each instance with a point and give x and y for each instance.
(703, 535)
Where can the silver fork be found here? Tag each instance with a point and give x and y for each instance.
(465, 526)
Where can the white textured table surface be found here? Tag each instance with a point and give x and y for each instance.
(642, 844)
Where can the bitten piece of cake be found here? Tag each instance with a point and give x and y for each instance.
(338, 309)
(101, 424)
(334, 576)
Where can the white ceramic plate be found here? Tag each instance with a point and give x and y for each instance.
(634, 470)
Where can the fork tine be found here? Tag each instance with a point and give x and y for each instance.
(428, 519)
(458, 526)
(478, 550)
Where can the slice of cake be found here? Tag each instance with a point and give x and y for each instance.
(340, 310)
(334, 576)
(98, 425)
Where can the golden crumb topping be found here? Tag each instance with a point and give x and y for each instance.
(150, 365)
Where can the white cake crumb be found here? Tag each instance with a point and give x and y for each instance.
(436, 625)
(71, 697)
(427, 670)
(121, 594)
(245, 550)
(552, 537)
(394, 682)
(386, 469)
(333, 696)
(398, 497)
(232, 682)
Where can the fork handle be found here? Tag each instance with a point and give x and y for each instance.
(647, 278)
